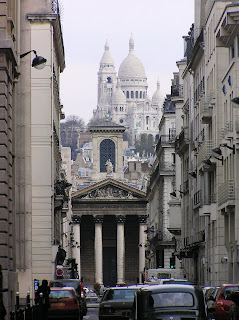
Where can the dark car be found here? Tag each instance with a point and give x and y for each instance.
(173, 301)
(223, 301)
(63, 304)
(77, 285)
(117, 303)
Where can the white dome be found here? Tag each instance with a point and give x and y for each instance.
(157, 98)
(131, 67)
(107, 59)
(118, 96)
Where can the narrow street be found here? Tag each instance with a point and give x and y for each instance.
(92, 314)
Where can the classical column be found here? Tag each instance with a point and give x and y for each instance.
(142, 244)
(120, 249)
(76, 220)
(98, 249)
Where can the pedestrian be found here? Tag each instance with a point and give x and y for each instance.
(42, 296)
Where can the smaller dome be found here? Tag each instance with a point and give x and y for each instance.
(118, 96)
(157, 98)
(107, 59)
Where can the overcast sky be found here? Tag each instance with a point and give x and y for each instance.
(157, 28)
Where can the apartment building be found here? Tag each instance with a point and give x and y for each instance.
(208, 246)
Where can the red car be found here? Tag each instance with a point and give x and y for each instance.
(223, 302)
(63, 304)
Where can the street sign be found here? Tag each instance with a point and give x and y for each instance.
(59, 272)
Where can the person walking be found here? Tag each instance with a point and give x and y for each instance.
(42, 296)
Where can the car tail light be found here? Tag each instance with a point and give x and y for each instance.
(105, 310)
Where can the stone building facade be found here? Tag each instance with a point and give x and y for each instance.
(109, 216)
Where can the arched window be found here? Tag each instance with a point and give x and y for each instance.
(132, 94)
(109, 80)
(136, 94)
(107, 151)
(140, 94)
(127, 94)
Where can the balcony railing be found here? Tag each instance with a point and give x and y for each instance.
(205, 150)
(202, 200)
(177, 90)
(166, 139)
(167, 166)
(182, 141)
(228, 128)
(226, 192)
(195, 238)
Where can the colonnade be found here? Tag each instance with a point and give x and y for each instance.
(98, 246)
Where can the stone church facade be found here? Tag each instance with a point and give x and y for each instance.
(109, 216)
(124, 97)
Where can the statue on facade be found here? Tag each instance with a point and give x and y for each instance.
(109, 167)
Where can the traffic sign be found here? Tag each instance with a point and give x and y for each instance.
(59, 272)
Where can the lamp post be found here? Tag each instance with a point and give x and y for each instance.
(38, 62)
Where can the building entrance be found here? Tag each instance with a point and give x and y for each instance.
(109, 267)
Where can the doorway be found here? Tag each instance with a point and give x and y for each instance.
(109, 267)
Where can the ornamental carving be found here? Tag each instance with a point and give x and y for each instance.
(120, 219)
(142, 219)
(109, 192)
(76, 218)
(98, 219)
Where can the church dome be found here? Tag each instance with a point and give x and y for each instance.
(118, 96)
(131, 67)
(107, 59)
(157, 98)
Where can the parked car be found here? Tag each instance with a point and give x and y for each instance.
(234, 309)
(173, 301)
(176, 281)
(222, 301)
(63, 303)
(77, 285)
(91, 297)
(117, 303)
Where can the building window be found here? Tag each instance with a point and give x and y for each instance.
(107, 151)
(140, 94)
(127, 94)
(147, 119)
(132, 94)
(136, 94)
(109, 80)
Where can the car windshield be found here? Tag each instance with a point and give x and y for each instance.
(60, 294)
(170, 299)
(228, 290)
(120, 294)
(73, 284)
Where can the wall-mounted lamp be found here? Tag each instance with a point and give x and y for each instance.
(148, 230)
(193, 174)
(38, 62)
(173, 194)
(226, 146)
(235, 102)
(216, 151)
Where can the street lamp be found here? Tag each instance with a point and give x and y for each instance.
(173, 194)
(235, 102)
(38, 62)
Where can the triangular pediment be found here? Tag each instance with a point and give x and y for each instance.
(109, 189)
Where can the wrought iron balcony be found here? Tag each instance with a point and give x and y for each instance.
(182, 141)
(205, 150)
(227, 130)
(226, 192)
(194, 239)
(177, 90)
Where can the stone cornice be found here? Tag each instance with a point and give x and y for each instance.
(54, 19)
